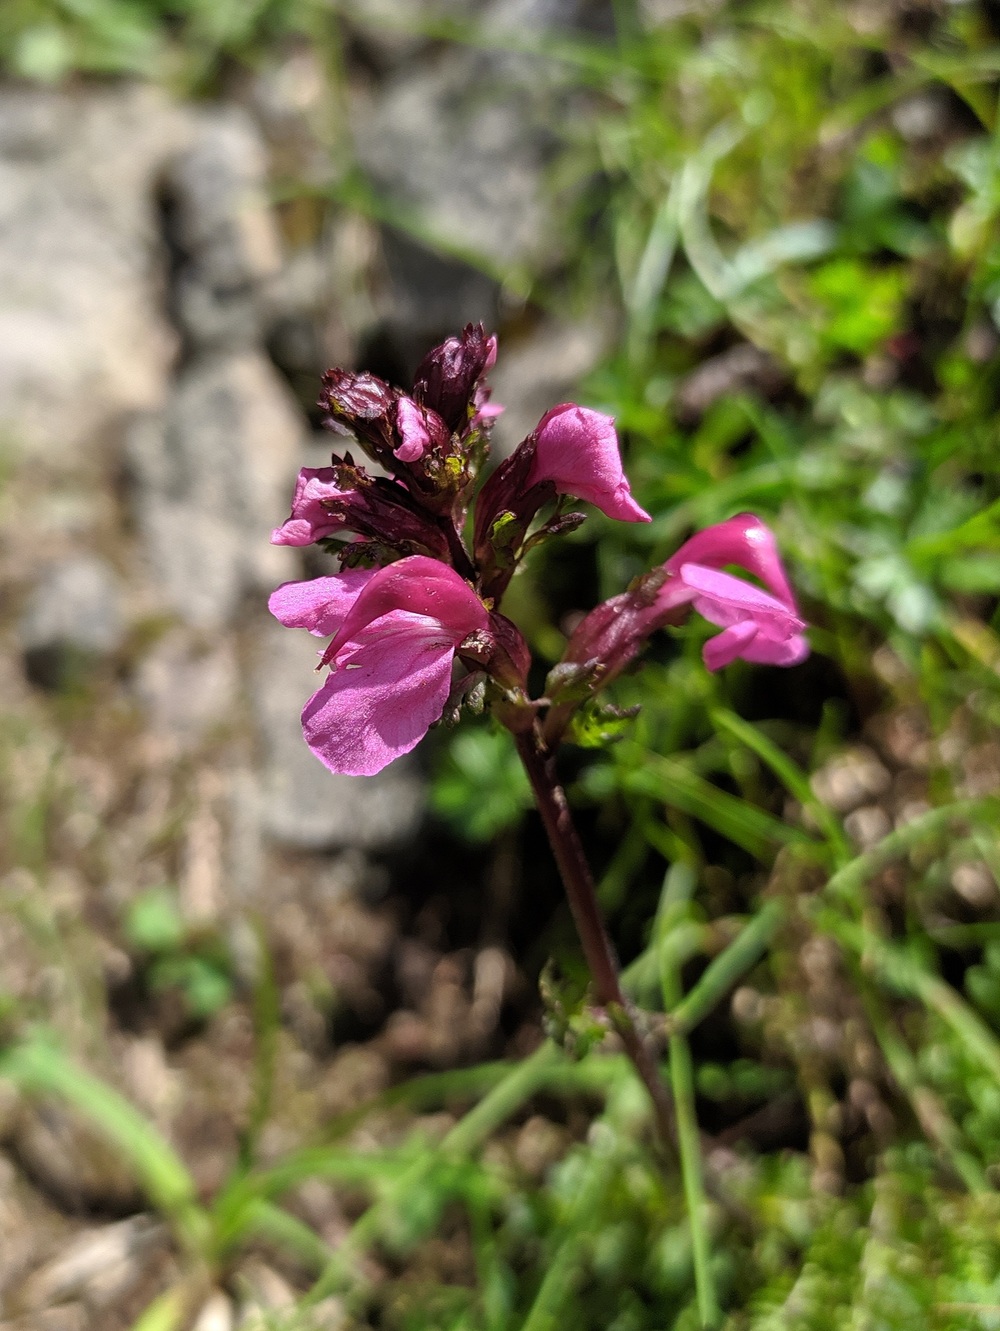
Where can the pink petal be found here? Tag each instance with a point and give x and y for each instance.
(724, 600)
(320, 605)
(309, 520)
(577, 449)
(765, 652)
(757, 626)
(423, 586)
(725, 647)
(388, 687)
(413, 430)
(744, 540)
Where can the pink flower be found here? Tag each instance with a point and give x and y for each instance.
(743, 540)
(396, 631)
(413, 432)
(759, 626)
(577, 450)
(489, 411)
(344, 498)
(309, 520)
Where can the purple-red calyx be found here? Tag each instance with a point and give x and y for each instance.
(332, 501)
(413, 615)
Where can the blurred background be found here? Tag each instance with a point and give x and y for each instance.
(273, 1043)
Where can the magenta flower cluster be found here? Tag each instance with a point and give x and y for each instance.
(413, 617)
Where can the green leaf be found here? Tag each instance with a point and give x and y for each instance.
(671, 781)
(863, 304)
(596, 725)
(480, 787)
(40, 1068)
(153, 921)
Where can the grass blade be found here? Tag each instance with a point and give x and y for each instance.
(39, 1068)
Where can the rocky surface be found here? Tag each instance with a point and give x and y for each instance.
(162, 328)
(84, 336)
(209, 474)
(73, 615)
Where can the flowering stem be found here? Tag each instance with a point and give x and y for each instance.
(456, 547)
(597, 947)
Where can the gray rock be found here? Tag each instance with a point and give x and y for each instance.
(188, 688)
(31, 1229)
(212, 476)
(459, 138)
(83, 336)
(220, 223)
(540, 371)
(70, 1162)
(212, 316)
(73, 617)
(298, 107)
(450, 139)
(850, 778)
(301, 803)
(223, 218)
(216, 1314)
(99, 1265)
(431, 296)
(923, 116)
(393, 32)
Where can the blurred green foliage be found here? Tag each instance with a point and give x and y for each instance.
(184, 41)
(176, 956)
(480, 787)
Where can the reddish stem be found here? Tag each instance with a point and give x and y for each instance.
(597, 946)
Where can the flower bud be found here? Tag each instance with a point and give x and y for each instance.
(362, 405)
(447, 377)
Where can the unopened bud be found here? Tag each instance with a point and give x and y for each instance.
(447, 377)
(362, 405)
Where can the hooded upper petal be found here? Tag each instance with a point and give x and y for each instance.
(413, 432)
(422, 586)
(744, 540)
(309, 520)
(760, 626)
(388, 686)
(577, 450)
